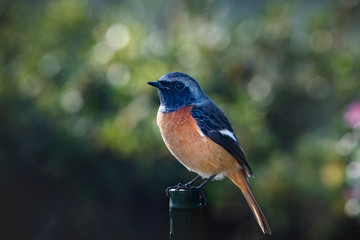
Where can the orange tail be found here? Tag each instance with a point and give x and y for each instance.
(240, 180)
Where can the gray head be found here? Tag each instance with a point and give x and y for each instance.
(177, 90)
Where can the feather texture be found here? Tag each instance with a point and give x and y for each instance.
(213, 123)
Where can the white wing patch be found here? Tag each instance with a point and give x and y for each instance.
(228, 133)
(200, 132)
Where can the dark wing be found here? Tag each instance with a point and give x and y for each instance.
(213, 123)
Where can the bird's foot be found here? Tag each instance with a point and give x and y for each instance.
(190, 185)
(180, 186)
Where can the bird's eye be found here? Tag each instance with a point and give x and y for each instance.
(179, 86)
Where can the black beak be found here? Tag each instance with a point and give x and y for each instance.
(158, 85)
(155, 84)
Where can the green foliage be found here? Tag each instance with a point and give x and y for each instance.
(79, 141)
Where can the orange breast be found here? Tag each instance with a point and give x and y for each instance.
(191, 147)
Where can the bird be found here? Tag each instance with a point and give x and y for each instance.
(200, 136)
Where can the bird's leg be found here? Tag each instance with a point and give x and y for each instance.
(191, 183)
(201, 186)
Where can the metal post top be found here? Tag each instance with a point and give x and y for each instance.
(186, 198)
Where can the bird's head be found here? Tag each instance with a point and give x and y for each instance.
(177, 90)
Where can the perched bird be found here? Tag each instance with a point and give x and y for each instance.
(200, 136)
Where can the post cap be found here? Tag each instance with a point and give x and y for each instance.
(185, 198)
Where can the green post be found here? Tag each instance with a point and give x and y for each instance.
(186, 214)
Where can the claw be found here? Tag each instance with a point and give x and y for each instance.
(176, 187)
(190, 186)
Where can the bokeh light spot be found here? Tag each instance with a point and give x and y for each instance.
(321, 41)
(156, 43)
(352, 114)
(72, 101)
(31, 85)
(78, 127)
(141, 105)
(214, 36)
(102, 53)
(188, 55)
(353, 170)
(247, 32)
(49, 65)
(274, 31)
(259, 88)
(318, 88)
(117, 36)
(352, 207)
(346, 144)
(332, 174)
(118, 74)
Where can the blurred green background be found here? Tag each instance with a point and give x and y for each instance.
(81, 156)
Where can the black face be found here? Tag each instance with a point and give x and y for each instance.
(174, 95)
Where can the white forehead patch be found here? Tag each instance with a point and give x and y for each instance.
(228, 133)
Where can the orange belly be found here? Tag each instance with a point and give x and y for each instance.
(191, 147)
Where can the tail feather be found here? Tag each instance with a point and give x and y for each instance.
(239, 178)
